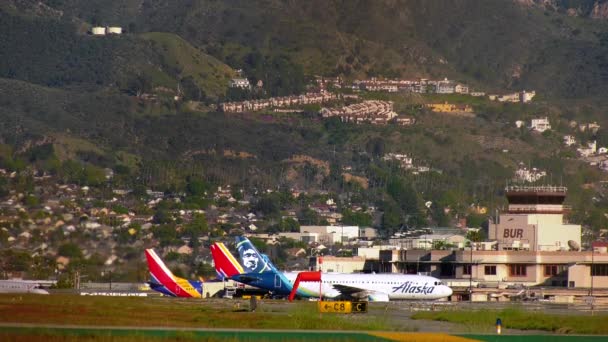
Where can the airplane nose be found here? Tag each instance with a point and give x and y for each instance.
(448, 291)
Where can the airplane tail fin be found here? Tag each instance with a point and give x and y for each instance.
(158, 271)
(225, 264)
(251, 259)
(163, 280)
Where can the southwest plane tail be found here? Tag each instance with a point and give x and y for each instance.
(163, 281)
(226, 265)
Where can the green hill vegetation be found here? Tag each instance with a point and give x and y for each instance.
(193, 68)
(494, 44)
(109, 101)
(60, 55)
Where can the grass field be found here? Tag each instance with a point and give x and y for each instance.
(88, 318)
(515, 318)
(171, 312)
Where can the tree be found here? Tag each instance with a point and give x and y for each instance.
(205, 270)
(259, 244)
(475, 235)
(391, 218)
(191, 90)
(196, 187)
(596, 219)
(404, 195)
(139, 85)
(475, 220)
(15, 261)
(94, 175)
(309, 217)
(286, 225)
(166, 235)
(376, 146)
(71, 172)
(269, 204)
(356, 218)
(70, 250)
(196, 228)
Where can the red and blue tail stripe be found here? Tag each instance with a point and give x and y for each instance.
(164, 281)
(226, 265)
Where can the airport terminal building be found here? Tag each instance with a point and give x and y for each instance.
(534, 221)
(529, 245)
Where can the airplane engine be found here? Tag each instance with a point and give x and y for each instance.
(378, 297)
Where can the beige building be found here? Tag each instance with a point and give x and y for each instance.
(491, 268)
(530, 245)
(429, 241)
(535, 221)
(332, 234)
(338, 264)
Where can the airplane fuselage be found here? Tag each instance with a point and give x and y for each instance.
(396, 286)
(375, 287)
(21, 286)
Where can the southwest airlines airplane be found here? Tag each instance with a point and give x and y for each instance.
(260, 272)
(163, 281)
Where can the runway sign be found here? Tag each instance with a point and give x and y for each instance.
(359, 307)
(335, 307)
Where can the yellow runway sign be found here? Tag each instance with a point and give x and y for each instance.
(343, 307)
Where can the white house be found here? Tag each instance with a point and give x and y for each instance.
(569, 140)
(589, 150)
(242, 83)
(533, 175)
(461, 88)
(540, 125)
(525, 96)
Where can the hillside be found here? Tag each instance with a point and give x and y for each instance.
(122, 101)
(61, 54)
(209, 74)
(510, 44)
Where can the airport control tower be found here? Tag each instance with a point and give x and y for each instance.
(535, 221)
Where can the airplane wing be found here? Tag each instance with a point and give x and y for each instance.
(348, 290)
(359, 293)
(245, 278)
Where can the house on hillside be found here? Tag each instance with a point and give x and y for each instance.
(445, 87)
(449, 108)
(461, 88)
(569, 140)
(590, 149)
(404, 120)
(242, 83)
(540, 125)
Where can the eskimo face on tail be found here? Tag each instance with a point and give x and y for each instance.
(251, 259)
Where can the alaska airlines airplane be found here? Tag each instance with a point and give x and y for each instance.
(373, 287)
(21, 286)
(163, 281)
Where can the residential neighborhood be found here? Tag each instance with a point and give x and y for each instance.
(277, 102)
(373, 112)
